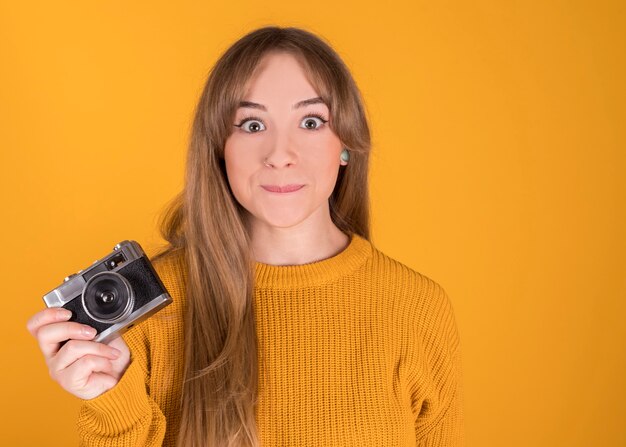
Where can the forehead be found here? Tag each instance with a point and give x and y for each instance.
(279, 78)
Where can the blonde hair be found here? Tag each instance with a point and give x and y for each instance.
(206, 226)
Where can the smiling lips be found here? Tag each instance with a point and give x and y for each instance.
(283, 189)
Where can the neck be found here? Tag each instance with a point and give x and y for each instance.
(316, 273)
(307, 242)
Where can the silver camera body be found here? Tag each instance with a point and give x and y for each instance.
(115, 293)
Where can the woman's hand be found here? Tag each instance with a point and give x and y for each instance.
(84, 368)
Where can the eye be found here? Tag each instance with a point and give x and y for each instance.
(255, 125)
(311, 119)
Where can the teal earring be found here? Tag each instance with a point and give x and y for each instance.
(345, 155)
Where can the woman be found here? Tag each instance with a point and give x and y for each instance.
(288, 327)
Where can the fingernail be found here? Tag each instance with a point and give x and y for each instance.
(64, 314)
(89, 331)
(116, 352)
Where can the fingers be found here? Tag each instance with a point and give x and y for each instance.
(81, 366)
(51, 335)
(88, 376)
(75, 349)
(97, 384)
(120, 344)
(47, 316)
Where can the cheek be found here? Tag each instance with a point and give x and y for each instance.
(241, 171)
(326, 169)
(332, 153)
(323, 149)
(235, 167)
(239, 153)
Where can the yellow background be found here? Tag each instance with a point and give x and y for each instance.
(498, 169)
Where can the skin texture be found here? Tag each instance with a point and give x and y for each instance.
(293, 228)
(82, 367)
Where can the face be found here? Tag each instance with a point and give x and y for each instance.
(282, 159)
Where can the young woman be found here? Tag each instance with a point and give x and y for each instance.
(288, 327)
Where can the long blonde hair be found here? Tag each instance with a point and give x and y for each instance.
(206, 224)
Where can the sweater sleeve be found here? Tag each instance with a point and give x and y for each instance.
(125, 415)
(436, 384)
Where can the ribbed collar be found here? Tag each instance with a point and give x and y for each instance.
(269, 276)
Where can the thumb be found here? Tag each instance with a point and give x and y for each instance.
(99, 383)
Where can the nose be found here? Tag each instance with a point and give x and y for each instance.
(280, 156)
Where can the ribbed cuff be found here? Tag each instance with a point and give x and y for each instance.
(121, 407)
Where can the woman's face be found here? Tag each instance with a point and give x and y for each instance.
(274, 125)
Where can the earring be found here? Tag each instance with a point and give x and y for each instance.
(345, 155)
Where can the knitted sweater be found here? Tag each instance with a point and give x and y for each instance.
(356, 349)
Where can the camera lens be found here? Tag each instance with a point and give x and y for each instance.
(107, 297)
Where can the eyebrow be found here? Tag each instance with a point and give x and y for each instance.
(303, 103)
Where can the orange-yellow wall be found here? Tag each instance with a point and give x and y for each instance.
(498, 169)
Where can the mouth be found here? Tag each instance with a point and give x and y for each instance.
(282, 189)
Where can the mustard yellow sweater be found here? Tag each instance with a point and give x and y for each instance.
(355, 350)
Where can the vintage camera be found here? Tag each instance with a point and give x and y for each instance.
(115, 293)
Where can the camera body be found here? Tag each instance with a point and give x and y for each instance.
(114, 293)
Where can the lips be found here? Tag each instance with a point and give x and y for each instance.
(283, 189)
